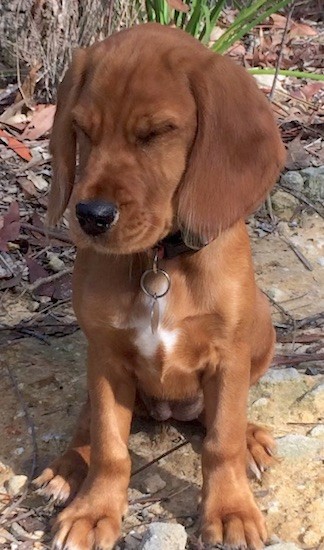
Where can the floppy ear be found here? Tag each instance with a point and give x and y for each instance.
(63, 139)
(237, 153)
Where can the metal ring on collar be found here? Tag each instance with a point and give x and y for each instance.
(147, 292)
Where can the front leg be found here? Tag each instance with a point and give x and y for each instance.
(230, 515)
(93, 519)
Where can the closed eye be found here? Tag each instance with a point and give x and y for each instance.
(148, 136)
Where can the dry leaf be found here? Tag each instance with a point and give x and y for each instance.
(237, 49)
(178, 5)
(28, 86)
(278, 20)
(28, 187)
(36, 272)
(10, 226)
(300, 29)
(39, 182)
(297, 157)
(311, 89)
(15, 145)
(41, 122)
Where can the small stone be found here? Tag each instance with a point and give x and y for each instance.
(33, 306)
(277, 294)
(19, 451)
(16, 485)
(273, 507)
(283, 546)
(311, 371)
(261, 402)
(162, 536)
(274, 539)
(54, 262)
(284, 204)
(297, 446)
(320, 261)
(293, 179)
(38, 533)
(317, 431)
(132, 540)
(274, 376)
(152, 484)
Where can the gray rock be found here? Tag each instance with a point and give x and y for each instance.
(284, 204)
(312, 171)
(316, 396)
(316, 186)
(284, 546)
(295, 446)
(16, 485)
(164, 536)
(132, 541)
(293, 179)
(152, 484)
(314, 181)
(275, 376)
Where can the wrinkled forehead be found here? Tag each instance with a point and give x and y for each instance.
(126, 81)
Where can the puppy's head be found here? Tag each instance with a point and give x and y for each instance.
(168, 135)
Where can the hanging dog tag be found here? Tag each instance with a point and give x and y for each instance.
(155, 315)
(150, 290)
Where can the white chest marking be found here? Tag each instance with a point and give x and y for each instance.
(148, 343)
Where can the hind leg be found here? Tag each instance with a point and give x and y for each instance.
(260, 444)
(263, 339)
(62, 479)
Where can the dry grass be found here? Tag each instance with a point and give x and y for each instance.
(43, 33)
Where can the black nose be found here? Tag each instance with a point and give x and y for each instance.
(96, 217)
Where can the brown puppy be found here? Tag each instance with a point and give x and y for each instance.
(172, 140)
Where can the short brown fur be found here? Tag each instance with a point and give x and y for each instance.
(177, 137)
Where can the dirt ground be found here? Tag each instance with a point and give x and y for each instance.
(49, 382)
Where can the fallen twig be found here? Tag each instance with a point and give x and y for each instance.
(163, 455)
(280, 308)
(301, 339)
(50, 279)
(20, 327)
(296, 359)
(51, 233)
(144, 500)
(297, 252)
(317, 319)
(278, 63)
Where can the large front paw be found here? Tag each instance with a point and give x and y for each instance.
(233, 520)
(92, 521)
